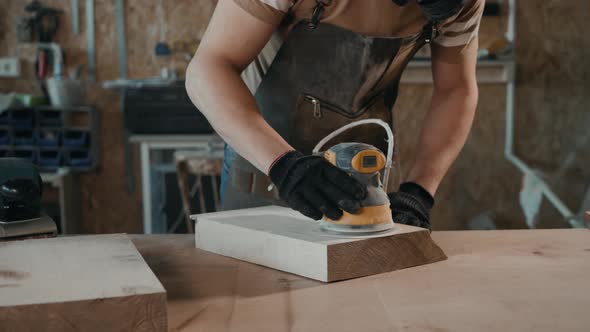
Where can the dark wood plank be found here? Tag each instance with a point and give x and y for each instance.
(383, 254)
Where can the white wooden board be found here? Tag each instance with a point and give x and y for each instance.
(285, 240)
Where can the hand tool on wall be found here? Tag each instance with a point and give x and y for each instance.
(75, 6)
(41, 27)
(24, 30)
(122, 54)
(44, 20)
(121, 44)
(90, 40)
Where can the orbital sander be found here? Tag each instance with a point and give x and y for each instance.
(369, 166)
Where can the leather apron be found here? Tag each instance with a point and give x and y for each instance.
(322, 78)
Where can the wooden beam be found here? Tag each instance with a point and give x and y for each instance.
(283, 239)
(82, 283)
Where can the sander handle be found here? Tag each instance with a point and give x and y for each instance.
(390, 141)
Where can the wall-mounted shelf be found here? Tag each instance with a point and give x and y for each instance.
(488, 72)
(51, 137)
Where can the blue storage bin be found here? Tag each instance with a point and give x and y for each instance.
(5, 151)
(49, 118)
(48, 137)
(5, 119)
(5, 137)
(76, 138)
(50, 158)
(23, 118)
(79, 158)
(24, 137)
(25, 154)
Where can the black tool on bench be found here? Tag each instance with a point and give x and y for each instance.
(21, 188)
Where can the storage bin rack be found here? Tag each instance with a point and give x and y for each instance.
(51, 137)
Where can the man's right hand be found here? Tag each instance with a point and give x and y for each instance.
(314, 187)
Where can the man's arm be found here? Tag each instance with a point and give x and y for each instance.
(232, 40)
(310, 185)
(449, 120)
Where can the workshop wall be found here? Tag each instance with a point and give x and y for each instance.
(551, 114)
(107, 206)
(551, 124)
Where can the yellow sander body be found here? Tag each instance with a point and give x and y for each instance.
(366, 164)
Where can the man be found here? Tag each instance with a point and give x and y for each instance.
(337, 61)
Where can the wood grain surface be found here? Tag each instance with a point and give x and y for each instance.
(529, 280)
(283, 239)
(406, 247)
(83, 283)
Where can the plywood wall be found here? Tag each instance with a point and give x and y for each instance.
(552, 108)
(107, 206)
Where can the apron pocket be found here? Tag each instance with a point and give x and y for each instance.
(315, 119)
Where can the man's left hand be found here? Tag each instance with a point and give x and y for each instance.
(411, 205)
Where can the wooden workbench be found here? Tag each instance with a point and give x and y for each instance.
(492, 281)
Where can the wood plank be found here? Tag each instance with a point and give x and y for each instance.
(82, 283)
(283, 239)
(510, 281)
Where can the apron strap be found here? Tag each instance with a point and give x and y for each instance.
(318, 10)
(430, 32)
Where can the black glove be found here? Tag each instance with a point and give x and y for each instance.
(314, 187)
(411, 205)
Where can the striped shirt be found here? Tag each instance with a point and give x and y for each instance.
(369, 17)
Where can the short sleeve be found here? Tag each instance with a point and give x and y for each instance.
(458, 36)
(269, 11)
